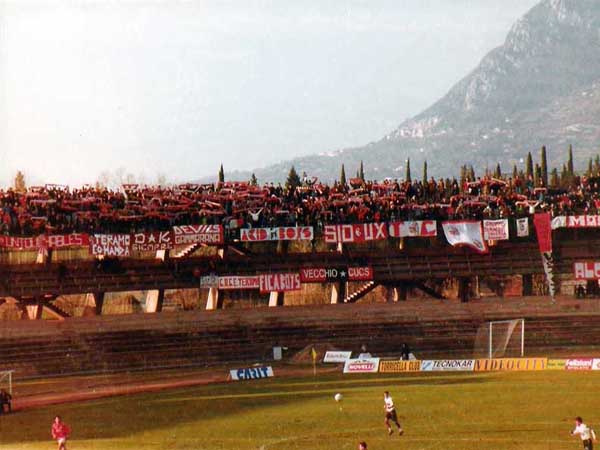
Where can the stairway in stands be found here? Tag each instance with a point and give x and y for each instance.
(362, 291)
(187, 251)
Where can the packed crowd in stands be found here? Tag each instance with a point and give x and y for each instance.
(58, 209)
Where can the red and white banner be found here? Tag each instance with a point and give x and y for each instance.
(523, 227)
(152, 242)
(415, 228)
(238, 282)
(361, 232)
(277, 234)
(495, 230)
(110, 244)
(586, 270)
(466, 233)
(321, 274)
(279, 282)
(579, 364)
(585, 221)
(543, 229)
(199, 234)
(45, 241)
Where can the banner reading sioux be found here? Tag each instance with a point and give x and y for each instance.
(110, 244)
(152, 242)
(199, 234)
(495, 230)
(416, 228)
(279, 282)
(277, 234)
(43, 241)
(361, 232)
(320, 275)
(466, 233)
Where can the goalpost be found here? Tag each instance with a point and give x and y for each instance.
(6, 380)
(499, 338)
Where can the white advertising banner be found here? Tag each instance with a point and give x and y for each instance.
(251, 373)
(336, 357)
(361, 365)
(448, 365)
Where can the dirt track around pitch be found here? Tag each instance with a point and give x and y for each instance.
(45, 392)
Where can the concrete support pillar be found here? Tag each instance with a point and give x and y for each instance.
(162, 254)
(464, 289)
(96, 301)
(527, 285)
(221, 252)
(276, 299)
(154, 300)
(338, 292)
(34, 311)
(396, 293)
(214, 300)
(42, 256)
(340, 247)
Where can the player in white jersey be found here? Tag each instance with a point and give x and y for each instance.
(390, 414)
(585, 433)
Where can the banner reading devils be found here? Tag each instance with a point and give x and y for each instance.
(358, 232)
(198, 234)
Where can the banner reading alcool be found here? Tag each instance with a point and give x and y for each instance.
(510, 364)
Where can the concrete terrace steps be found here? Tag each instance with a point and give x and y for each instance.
(186, 339)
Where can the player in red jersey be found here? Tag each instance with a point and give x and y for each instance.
(60, 432)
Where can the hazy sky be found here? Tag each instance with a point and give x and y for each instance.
(177, 87)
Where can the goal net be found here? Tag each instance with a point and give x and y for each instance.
(501, 338)
(6, 379)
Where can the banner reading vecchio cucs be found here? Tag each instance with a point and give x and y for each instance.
(399, 366)
(510, 364)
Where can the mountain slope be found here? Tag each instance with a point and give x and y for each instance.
(541, 87)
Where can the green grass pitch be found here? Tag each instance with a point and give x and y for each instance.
(448, 411)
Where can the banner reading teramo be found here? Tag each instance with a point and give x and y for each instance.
(510, 364)
(399, 366)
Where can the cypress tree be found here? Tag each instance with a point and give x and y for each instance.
(408, 178)
(529, 167)
(515, 172)
(564, 175)
(343, 176)
(361, 172)
(597, 164)
(471, 173)
(293, 180)
(554, 178)
(570, 166)
(498, 172)
(544, 163)
(425, 172)
(253, 180)
(590, 170)
(221, 174)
